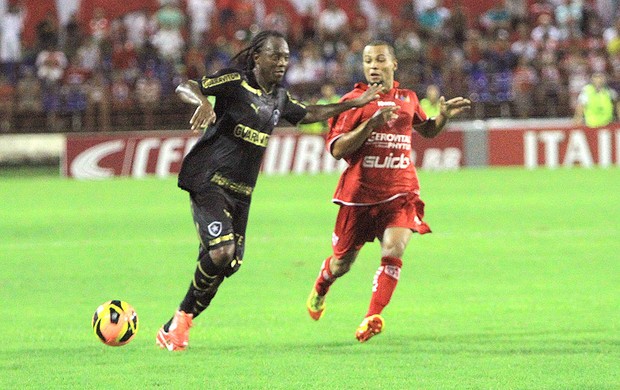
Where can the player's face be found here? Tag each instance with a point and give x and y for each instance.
(379, 66)
(272, 61)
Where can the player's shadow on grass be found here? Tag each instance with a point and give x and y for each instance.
(552, 342)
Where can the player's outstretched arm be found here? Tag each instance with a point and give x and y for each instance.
(317, 113)
(189, 92)
(431, 127)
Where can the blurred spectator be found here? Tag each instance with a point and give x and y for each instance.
(89, 55)
(430, 103)
(99, 25)
(337, 72)
(72, 35)
(168, 40)
(124, 56)
(524, 83)
(98, 103)
(74, 94)
(328, 96)
(170, 16)
(148, 95)
(551, 92)
(421, 6)
(306, 72)
(122, 101)
(433, 19)
(353, 60)
(307, 7)
(7, 100)
(51, 65)
(517, 9)
(384, 26)
(29, 98)
(524, 46)
(455, 78)
(597, 103)
(11, 27)
(611, 35)
(194, 63)
(169, 45)
(537, 8)
(278, 20)
(47, 32)
(308, 21)
(576, 68)
(568, 17)
(457, 24)
(201, 14)
(545, 30)
(369, 11)
(498, 17)
(333, 27)
(138, 27)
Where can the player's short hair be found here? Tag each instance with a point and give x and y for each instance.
(379, 42)
(245, 58)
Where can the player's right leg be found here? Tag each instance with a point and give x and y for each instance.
(331, 269)
(350, 234)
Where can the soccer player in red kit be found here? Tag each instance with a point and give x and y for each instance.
(378, 193)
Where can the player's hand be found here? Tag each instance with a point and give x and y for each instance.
(453, 106)
(383, 116)
(372, 93)
(203, 116)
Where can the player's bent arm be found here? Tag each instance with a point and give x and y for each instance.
(189, 92)
(318, 112)
(433, 126)
(350, 141)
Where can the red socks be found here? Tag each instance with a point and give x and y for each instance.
(325, 278)
(384, 284)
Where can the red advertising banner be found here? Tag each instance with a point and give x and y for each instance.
(161, 154)
(553, 147)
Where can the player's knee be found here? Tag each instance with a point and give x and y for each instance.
(393, 249)
(223, 255)
(340, 267)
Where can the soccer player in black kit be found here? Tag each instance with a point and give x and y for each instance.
(220, 171)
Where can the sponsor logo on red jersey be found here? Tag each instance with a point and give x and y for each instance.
(389, 162)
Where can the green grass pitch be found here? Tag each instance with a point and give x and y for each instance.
(518, 287)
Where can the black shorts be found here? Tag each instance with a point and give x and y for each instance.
(220, 219)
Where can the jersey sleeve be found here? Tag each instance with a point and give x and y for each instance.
(419, 115)
(294, 111)
(342, 124)
(220, 83)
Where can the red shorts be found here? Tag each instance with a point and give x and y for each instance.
(357, 225)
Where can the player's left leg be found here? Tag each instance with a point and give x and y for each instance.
(393, 245)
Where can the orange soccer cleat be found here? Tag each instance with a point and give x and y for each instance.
(177, 336)
(315, 304)
(371, 326)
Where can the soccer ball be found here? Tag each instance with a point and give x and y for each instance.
(115, 323)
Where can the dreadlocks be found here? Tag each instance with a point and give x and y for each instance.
(245, 58)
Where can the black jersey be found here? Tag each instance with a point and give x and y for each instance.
(230, 152)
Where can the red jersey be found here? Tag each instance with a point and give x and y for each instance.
(382, 168)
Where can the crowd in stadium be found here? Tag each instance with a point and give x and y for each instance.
(518, 59)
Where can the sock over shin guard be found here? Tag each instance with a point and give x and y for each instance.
(384, 284)
(325, 278)
(203, 287)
